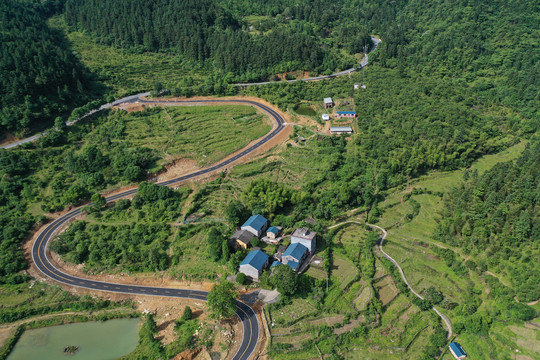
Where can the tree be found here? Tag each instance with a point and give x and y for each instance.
(60, 124)
(221, 300)
(241, 278)
(187, 314)
(98, 201)
(255, 241)
(235, 212)
(285, 280)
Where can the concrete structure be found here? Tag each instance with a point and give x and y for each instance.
(294, 255)
(241, 238)
(346, 114)
(325, 117)
(253, 264)
(457, 351)
(279, 253)
(305, 237)
(359, 86)
(340, 130)
(273, 232)
(256, 225)
(328, 103)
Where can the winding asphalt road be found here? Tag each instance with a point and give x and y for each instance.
(445, 319)
(246, 314)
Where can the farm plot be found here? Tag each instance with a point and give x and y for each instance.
(387, 290)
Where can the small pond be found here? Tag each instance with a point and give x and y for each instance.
(304, 110)
(96, 340)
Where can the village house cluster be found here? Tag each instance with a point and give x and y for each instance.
(329, 103)
(296, 255)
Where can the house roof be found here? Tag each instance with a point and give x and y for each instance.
(327, 100)
(346, 112)
(256, 221)
(243, 236)
(296, 251)
(304, 233)
(325, 116)
(256, 258)
(340, 129)
(276, 263)
(457, 349)
(293, 264)
(274, 230)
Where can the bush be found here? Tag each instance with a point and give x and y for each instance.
(241, 278)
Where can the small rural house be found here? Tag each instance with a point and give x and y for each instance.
(338, 130)
(359, 86)
(305, 237)
(294, 255)
(328, 103)
(346, 114)
(256, 225)
(457, 351)
(241, 238)
(279, 253)
(254, 263)
(273, 232)
(325, 117)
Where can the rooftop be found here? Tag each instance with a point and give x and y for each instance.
(340, 128)
(327, 100)
(346, 112)
(304, 233)
(293, 265)
(243, 236)
(274, 230)
(256, 258)
(296, 250)
(256, 221)
(457, 349)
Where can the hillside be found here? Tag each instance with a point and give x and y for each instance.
(39, 76)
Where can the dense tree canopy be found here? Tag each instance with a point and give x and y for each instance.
(39, 75)
(496, 218)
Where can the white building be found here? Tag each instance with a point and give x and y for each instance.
(305, 237)
(325, 117)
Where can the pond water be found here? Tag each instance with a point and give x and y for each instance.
(304, 110)
(96, 341)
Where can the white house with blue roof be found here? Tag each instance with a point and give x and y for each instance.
(256, 225)
(457, 351)
(254, 263)
(294, 255)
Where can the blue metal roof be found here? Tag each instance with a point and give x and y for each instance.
(273, 230)
(296, 250)
(256, 221)
(276, 263)
(457, 349)
(256, 258)
(293, 265)
(346, 112)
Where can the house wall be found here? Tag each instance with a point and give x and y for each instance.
(254, 231)
(286, 259)
(241, 244)
(311, 245)
(249, 271)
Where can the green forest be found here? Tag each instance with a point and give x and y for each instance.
(495, 218)
(40, 77)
